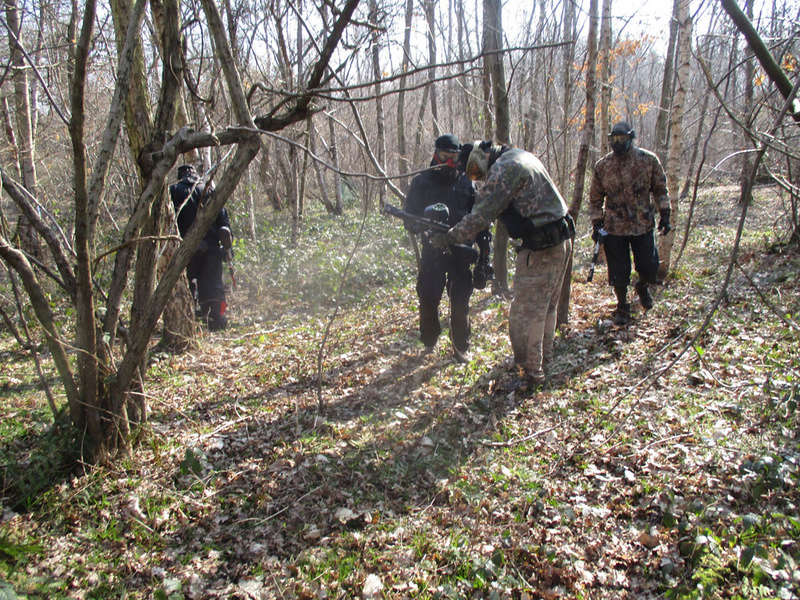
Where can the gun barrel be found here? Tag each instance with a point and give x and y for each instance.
(595, 257)
(407, 216)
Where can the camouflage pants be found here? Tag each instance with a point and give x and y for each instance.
(532, 318)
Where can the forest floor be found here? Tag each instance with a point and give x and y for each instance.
(651, 465)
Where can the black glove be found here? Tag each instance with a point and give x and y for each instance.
(663, 222)
(481, 274)
(597, 225)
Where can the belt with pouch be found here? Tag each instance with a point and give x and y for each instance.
(549, 234)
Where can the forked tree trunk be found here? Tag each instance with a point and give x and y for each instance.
(179, 330)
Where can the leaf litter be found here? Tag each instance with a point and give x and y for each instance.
(421, 478)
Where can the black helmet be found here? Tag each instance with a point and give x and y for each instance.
(624, 128)
(621, 137)
(448, 142)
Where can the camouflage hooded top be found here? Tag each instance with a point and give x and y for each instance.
(516, 177)
(624, 184)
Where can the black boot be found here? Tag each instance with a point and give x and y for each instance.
(213, 316)
(622, 314)
(644, 295)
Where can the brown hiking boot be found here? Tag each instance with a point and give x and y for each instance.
(644, 295)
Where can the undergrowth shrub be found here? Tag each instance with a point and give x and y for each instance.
(307, 275)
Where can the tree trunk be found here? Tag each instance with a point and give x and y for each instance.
(337, 178)
(747, 107)
(379, 120)
(403, 163)
(25, 149)
(495, 73)
(771, 67)
(682, 83)
(583, 153)
(430, 16)
(330, 208)
(662, 120)
(605, 74)
(569, 34)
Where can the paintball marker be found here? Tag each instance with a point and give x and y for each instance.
(483, 271)
(436, 220)
(423, 223)
(602, 233)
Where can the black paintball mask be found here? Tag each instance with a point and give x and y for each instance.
(187, 172)
(621, 138)
(445, 156)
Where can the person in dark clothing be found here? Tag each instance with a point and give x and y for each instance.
(447, 268)
(205, 267)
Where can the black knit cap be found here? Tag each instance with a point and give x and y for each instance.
(448, 142)
(624, 128)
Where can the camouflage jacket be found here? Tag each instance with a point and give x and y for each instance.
(621, 192)
(516, 177)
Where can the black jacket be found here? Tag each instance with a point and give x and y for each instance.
(431, 187)
(458, 193)
(188, 195)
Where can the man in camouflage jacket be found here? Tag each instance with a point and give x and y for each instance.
(627, 186)
(519, 191)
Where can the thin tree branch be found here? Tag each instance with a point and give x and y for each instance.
(13, 34)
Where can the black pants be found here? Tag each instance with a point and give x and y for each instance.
(618, 255)
(206, 268)
(438, 271)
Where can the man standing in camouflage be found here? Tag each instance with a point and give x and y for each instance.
(620, 204)
(519, 191)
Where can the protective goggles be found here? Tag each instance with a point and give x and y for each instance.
(446, 157)
(618, 138)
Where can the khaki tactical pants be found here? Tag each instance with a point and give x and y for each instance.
(532, 318)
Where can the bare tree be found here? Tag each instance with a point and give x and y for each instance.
(590, 68)
(23, 138)
(376, 69)
(104, 390)
(747, 107)
(605, 72)
(684, 21)
(495, 73)
(402, 150)
(430, 17)
(662, 119)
